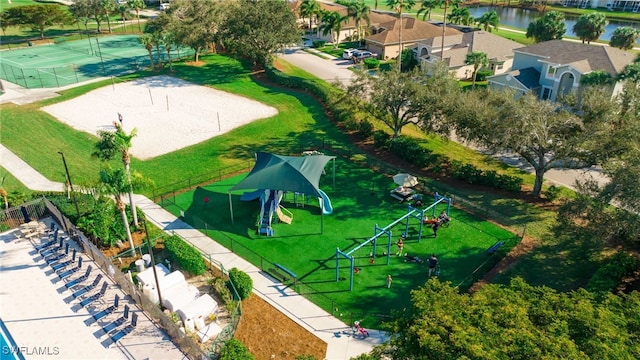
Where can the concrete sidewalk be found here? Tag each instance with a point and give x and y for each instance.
(296, 307)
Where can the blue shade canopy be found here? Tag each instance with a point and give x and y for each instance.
(287, 173)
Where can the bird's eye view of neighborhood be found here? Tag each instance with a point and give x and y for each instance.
(319, 179)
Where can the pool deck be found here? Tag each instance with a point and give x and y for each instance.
(46, 322)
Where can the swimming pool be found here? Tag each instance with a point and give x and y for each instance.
(8, 346)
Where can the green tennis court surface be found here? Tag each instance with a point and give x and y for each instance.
(301, 247)
(67, 62)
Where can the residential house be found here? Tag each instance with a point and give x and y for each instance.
(619, 5)
(456, 47)
(553, 68)
(387, 37)
(349, 29)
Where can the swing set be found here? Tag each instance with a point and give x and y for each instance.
(379, 232)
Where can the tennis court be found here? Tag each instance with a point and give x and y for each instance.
(67, 62)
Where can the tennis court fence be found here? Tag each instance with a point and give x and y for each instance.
(104, 64)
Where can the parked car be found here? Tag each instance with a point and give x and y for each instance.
(348, 53)
(358, 56)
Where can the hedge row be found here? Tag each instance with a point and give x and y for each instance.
(185, 255)
(344, 111)
(473, 175)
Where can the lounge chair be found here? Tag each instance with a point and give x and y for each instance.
(127, 329)
(46, 245)
(109, 310)
(51, 250)
(88, 288)
(117, 322)
(79, 279)
(55, 257)
(95, 296)
(65, 274)
(62, 265)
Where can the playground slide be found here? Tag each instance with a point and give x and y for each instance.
(266, 212)
(325, 203)
(253, 195)
(285, 218)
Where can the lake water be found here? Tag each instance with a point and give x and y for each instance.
(521, 18)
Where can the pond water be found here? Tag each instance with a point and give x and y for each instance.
(521, 18)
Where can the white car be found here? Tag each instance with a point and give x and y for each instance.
(349, 53)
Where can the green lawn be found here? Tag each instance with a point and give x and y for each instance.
(301, 124)
(302, 248)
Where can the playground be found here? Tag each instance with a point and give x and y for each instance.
(354, 243)
(68, 62)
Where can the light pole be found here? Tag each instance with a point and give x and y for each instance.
(153, 261)
(73, 193)
(400, 37)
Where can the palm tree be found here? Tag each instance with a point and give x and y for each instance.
(331, 23)
(117, 182)
(309, 9)
(478, 59)
(147, 41)
(427, 8)
(489, 20)
(123, 11)
(137, 5)
(3, 193)
(460, 16)
(108, 6)
(589, 27)
(118, 142)
(400, 5)
(359, 11)
(167, 40)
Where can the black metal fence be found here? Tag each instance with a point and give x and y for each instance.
(42, 207)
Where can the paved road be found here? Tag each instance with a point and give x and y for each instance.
(323, 66)
(330, 69)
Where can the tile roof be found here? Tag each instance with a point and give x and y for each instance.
(375, 17)
(609, 59)
(412, 30)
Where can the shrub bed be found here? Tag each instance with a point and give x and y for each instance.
(185, 255)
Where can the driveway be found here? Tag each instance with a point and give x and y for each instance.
(332, 69)
(328, 69)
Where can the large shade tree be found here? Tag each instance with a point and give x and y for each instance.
(401, 98)
(111, 144)
(89, 9)
(590, 26)
(37, 17)
(391, 96)
(550, 26)
(196, 23)
(543, 134)
(514, 321)
(257, 29)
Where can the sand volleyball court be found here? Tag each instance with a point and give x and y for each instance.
(168, 113)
